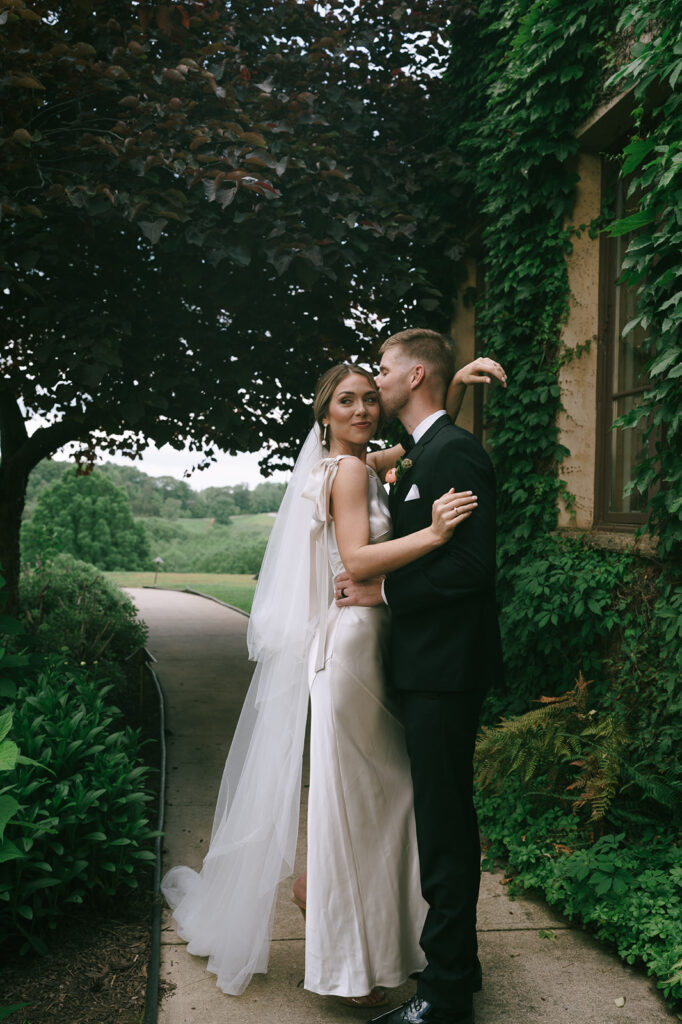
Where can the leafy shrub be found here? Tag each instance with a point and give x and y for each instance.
(164, 532)
(70, 605)
(569, 607)
(629, 890)
(81, 825)
(647, 672)
(616, 868)
(9, 753)
(13, 665)
(13, 669)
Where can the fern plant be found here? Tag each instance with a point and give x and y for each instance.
(563, 742)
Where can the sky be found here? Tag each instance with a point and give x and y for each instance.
(227, 471)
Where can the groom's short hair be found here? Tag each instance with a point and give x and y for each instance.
(435, 351)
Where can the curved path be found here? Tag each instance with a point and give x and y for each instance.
(567, 978)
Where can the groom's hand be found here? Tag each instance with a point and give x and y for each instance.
(367, 593)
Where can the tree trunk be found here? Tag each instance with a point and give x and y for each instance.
(12, 498)
(13, 479)
(19, 453)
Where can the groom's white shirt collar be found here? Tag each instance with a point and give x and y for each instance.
(422, 427)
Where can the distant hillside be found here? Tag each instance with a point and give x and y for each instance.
(164, 496)
(203, 545)
(219, 530)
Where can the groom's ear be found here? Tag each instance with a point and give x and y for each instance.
(418, 375)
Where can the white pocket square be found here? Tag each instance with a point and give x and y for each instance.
(412, 493)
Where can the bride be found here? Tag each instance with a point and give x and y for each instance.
(363, 905)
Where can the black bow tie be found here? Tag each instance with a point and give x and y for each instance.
(408, 442)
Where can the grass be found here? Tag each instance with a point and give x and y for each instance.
(258, 524)
(232, 588)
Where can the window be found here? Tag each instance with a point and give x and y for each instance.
(622, 378)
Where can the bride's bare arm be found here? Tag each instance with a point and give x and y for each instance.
(480, 371)
(351, 520)
(385, 459)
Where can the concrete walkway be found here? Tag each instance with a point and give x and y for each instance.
(537, 968)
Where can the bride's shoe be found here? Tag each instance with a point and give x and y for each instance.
(374, 999)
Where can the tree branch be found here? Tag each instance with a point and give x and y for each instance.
(20, 453)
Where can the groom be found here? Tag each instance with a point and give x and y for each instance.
(444, 654)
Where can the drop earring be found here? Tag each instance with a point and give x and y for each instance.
(325, 437)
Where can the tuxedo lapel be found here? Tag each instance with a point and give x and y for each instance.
(414, 455)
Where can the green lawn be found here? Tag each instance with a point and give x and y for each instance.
(234, 589)
(259, 524)
(193, 525)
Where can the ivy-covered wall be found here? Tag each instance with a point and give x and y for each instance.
(524, 75)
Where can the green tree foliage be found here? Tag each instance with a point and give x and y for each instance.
(267, 497)
(46, 473)
(148, 494)
(90, 518)
(203, 204)
(220, 505)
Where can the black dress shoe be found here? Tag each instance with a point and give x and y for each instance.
(419, 1011)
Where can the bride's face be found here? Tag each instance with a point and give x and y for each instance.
(353, 413)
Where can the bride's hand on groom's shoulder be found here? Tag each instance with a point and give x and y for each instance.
(365, 593)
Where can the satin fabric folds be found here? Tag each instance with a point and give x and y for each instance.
(364, 905)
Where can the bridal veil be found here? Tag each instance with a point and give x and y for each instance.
(226, 911)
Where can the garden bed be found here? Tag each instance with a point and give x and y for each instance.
(95, 970)
(94, 973)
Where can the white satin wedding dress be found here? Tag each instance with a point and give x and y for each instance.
(364, 906)
(364, 909)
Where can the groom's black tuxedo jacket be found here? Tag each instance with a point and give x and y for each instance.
(444, 633)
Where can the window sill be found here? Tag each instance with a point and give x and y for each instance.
(615, 538)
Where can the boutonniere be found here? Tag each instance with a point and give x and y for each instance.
(402, 466)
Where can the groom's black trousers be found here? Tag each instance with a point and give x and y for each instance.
(440, 729)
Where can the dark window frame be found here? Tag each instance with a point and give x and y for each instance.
(604, 517)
